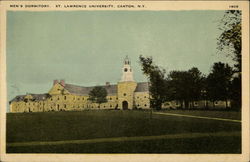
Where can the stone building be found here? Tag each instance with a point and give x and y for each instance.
(126, 94)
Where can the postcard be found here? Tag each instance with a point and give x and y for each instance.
(124, 81)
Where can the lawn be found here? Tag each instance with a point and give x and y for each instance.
(213, 136)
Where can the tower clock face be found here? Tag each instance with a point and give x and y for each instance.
(125, 69)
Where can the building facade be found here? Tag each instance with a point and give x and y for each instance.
(126, 94)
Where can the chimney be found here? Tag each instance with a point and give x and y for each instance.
(55, 82)
(62, 82)
(108, 84)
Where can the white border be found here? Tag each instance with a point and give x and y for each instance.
(150, 5)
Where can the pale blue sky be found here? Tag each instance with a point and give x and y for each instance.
(87, 47)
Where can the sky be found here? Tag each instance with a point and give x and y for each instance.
(87, 48)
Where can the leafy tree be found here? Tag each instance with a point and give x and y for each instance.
(235, 94)
(157, 80)
(197, 80)
(230, 37)
(178, 81)
(219, 82)
(185, 86)
(98, 95)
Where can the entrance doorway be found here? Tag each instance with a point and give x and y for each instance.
(124, 105)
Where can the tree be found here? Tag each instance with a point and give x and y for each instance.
(157, 81)
(98, 95)
(196, 86)
(185, 86)
(230, 37)
(219, 82)
(235, 95)
(178, 80)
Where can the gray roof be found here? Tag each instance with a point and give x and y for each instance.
(142, 87)
(36, 97)
(111, 89)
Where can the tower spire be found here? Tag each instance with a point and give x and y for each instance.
(127, 71)
(126, 60)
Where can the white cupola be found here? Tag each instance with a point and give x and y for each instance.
(127, 74)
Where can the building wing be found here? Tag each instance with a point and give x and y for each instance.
(35, 97)
(79, 90)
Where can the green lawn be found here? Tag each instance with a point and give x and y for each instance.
(209, 113)
(57, 126)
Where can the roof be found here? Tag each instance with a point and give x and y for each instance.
(36, 97)
(75, 89)
(142, 87)
(111, 89)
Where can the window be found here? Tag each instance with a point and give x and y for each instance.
(125, 69)
(64, 105)
(138, 105)
(58, 98)
(51, 99)
(110, 105)
(145, 96)
(65, 98)
(145, 105)
(110, 98)
(216, 102)
(137, 96)
(83, 98)
(124, 94)
(196, 103)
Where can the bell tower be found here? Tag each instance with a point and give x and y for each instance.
(127, 71)
(126, 87)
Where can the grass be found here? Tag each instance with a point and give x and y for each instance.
(209, 113)
(56, 126)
